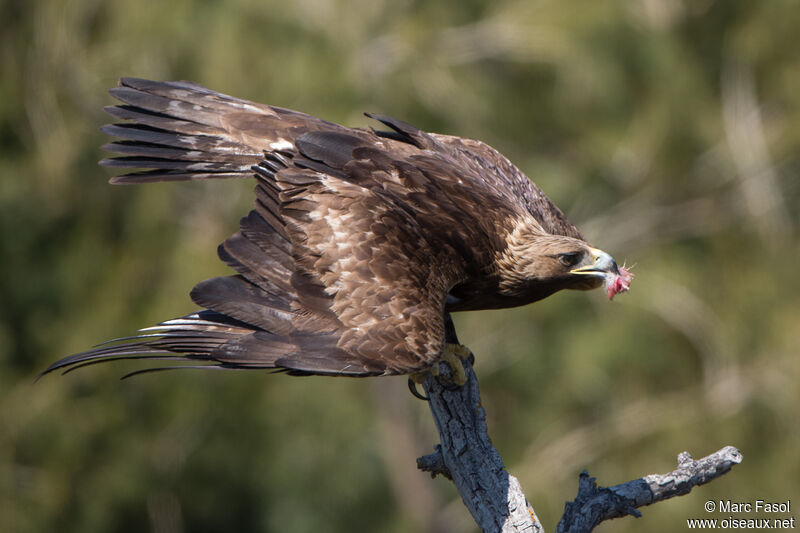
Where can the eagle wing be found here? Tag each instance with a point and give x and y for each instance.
(362, 287)
(343, 267)
(183, 131)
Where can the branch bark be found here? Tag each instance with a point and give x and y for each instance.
(596, 504)
(467, 457)
(495, 498)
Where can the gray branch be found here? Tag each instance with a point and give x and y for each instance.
(494, 497)
(596, 504)
(466, 456)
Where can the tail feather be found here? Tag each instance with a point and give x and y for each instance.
(195, 338)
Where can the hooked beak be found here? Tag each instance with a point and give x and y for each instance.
(603, 266)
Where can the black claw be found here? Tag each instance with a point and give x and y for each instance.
(412, 386)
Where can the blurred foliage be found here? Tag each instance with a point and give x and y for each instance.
(668, 130)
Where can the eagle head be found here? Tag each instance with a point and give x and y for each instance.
(588, 268)
(538, 265)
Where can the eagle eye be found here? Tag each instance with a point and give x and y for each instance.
(570, 259)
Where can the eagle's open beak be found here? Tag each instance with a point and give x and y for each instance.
(617, 279)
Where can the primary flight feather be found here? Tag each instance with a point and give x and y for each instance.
(359, 243)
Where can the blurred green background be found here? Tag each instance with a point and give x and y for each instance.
(669, 131)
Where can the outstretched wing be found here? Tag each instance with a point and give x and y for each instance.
(363, 288)
(338, 272)
(183, 131)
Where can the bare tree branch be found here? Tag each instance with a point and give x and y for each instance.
(596, 504)
(467, 457)
(494, 497)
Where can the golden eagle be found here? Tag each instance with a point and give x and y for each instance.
(360, 242)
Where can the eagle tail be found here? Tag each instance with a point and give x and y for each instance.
(210, 340)
(192, 341)
(181, 131)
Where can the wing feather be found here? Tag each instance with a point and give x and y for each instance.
(182, 131)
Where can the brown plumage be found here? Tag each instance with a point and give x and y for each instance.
(360, 240)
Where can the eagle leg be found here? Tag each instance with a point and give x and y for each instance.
(453, 352)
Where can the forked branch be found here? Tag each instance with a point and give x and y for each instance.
(495, 498)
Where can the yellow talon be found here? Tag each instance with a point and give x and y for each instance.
(451, 356)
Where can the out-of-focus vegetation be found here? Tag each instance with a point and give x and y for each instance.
(668, 130)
